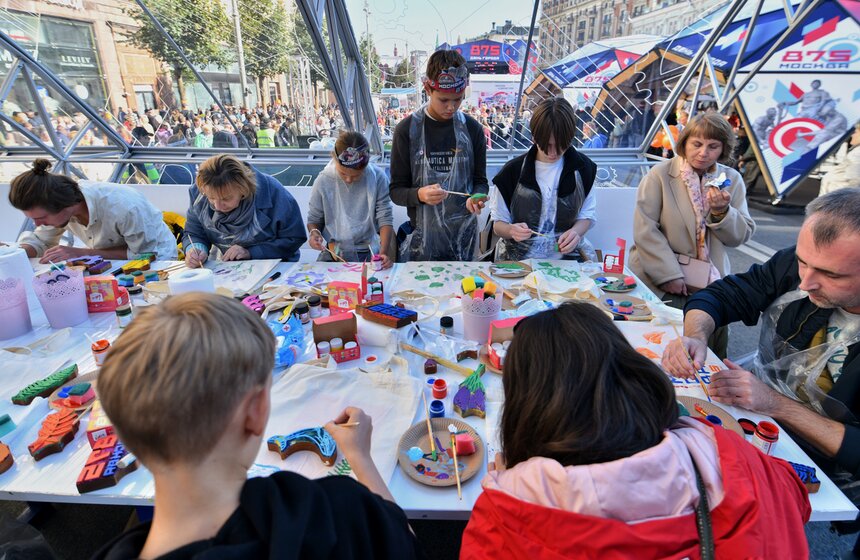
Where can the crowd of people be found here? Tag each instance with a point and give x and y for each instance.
(596, 454)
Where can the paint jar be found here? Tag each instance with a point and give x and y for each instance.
(303, 312)
(437, 409)
(765, 437)
(351, 345)
(315, 306)
(100, 349)
(446, 324)
(440, 389)
(377, 262)
(123, 315)
(430, 381)
(713, 419)
(323, 349)
(336, 344)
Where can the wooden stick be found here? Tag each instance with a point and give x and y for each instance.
(441, 361)
(456, 468)
(429, 427)
(505, 294)
(692, 363)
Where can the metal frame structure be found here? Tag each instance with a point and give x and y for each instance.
(331, 30)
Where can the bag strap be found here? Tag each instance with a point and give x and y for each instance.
(703, 518)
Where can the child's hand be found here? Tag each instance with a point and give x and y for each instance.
(352, 441)
(236, 253)
(386, 262)
(520, 232)
(432, 194)
(316, 241)
(568, 241)
(474, 206)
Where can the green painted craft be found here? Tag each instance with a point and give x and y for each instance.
(79, 389)
(342, 468)
(511, 266)
(422, 277)
(438, 268)
(478, 196)
(44, 387)
(436, 284)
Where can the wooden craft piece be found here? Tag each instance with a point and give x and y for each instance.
(108, 462)
(135, 265)
(388, 315)
(57, 430)
(99, 425)
(466, 354)
(807, 476)
(44, 387)
(6, 424)
(6, 458)
(92, 263)
(316, 440)
(430, 366)
(470, 399)
(510, 269)
(438, 359)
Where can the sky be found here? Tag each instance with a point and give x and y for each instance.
(417, 22)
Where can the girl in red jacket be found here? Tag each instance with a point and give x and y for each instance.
(597, 463)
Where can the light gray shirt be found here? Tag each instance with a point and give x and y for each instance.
(351, 214)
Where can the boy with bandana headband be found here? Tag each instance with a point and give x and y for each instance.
(350, 207)
(435, 151)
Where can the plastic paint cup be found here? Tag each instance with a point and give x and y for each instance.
(440, 389)
(437, 409)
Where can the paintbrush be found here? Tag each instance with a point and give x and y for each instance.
(349, 424)
(429, 427)
(692, 363)
(453, 430)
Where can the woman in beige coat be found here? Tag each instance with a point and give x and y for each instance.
(691, 206)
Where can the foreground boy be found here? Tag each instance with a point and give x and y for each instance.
(187, 386)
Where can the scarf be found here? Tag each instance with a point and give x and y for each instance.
(701, 208)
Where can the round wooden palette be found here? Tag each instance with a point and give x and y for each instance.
(439, 473)
(87, 378)
(641, 311)
(484, 358)
(729, 421)
(608, 287)
(510, 269)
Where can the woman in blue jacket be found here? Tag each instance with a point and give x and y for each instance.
(244, 213)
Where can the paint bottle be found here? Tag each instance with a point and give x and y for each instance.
(765, 437)
(377, 262)
(351, 345)
(100, 349)
(123, 315)
(437, 409)
(323, 349)
(336, 344)
(303, 312)
(440, 389)
(315, 306)
(446, 324)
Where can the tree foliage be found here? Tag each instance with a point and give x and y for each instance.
(199, 27)
(374, 73)
(404, 74)
(266, 39)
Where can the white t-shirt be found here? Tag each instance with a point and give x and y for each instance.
(548, 176)
(842, 326)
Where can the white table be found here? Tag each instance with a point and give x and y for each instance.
(53, 478)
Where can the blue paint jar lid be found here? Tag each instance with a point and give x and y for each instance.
(715, 420)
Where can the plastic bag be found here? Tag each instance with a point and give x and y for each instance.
(446, 231)
(793, 372)
(20, 541)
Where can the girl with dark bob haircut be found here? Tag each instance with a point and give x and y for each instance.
(596, 462)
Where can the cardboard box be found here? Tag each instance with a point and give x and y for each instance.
(344, 296)
(99, 425)
(500, 331)
(339, 325)
(102, 293)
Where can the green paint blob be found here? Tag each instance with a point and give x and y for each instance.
(436, 284)
(437, 268)
(422, 277)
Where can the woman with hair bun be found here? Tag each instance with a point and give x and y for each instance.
(112, 221)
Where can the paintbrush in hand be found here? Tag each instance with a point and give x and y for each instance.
(692, 363)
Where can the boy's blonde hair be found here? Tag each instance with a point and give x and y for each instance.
(172, 380)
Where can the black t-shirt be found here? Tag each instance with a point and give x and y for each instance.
(440, 144)
(286, 516)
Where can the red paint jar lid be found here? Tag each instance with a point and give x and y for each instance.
(767, 430)
(440, 384)
(100, 345)
(747, 425)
